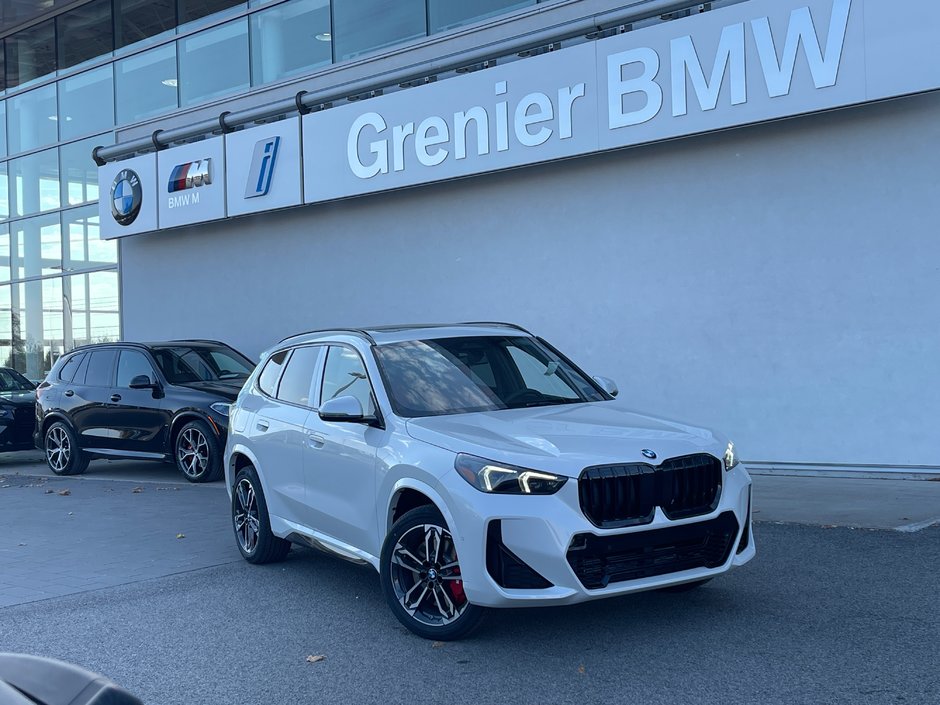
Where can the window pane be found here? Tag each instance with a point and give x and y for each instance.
(4, 192)
(190, 10)
(78, 170)
(8, 348)
(83, 247)
(67, 373)
(360, 26)
(37, 326)
(137, 20)
(214, 63)
(145, 84)
(132, 364)
(267, 380)
(86, 103)
(445, 14)
(31, 119)
(85, 33)
(3, 126)
(4, 254)
(91, 308)
(345, 375)
(100, 371)
(34, 182)
(298, 377)
(36, 246)
(30, 54)
(3, 63)
(280, 40)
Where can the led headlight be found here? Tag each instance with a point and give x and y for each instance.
(731, 456)
(220, 408)
(499, 478)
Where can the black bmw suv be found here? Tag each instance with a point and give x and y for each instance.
(151, 401)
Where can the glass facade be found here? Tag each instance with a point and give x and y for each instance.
(66, 83)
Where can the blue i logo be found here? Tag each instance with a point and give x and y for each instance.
(262, 167)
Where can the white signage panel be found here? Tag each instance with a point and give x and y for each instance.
(262, 167)
(191, 183)
(507, 116)
(127, 203)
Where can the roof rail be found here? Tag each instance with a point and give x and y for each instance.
(197, 340)
(497, 323)
(354, 331)
(113, 342)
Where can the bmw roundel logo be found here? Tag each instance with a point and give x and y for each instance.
(647, 453)
(126, 196)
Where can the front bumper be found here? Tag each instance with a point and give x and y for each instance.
(581, 562)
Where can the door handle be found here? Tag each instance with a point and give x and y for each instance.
(115, 397)
(69, 393)
(315, 440)
(262, 425)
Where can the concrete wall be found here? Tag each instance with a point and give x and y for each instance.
(778, 282)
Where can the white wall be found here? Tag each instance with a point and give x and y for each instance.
(780, 282)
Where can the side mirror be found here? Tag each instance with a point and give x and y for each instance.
(346, 408)
(608, 385)
(142, 382)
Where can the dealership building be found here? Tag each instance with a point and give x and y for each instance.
(731, 208)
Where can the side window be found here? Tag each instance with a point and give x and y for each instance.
(345, 375)
(298, 376)
(67, 373)
(79, 377)
(131, 364)
(267, 380)
(100, 368)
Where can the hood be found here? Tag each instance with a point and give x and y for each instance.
(564, 439)
(227, 389)
(22, 398)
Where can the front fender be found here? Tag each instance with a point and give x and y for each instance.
(234, 449)
(424, 488)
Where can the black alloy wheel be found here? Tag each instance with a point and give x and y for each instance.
(421, 578)
(198, 453)
(256, 542)
(63, 455)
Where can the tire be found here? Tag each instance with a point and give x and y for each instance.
(197, 452)
(406, 571)
(256, 542)
(684, 587)
(63, 456)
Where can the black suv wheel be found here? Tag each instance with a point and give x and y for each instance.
(197, 452)
(63, 455)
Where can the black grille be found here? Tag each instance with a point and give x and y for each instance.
(746, 534)
(614, 496)
(601, 560)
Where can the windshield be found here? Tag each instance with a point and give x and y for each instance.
(13, 381)
(480, 373)
(182, 364)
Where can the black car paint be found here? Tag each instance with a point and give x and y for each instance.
(117, 421)
(17, 420)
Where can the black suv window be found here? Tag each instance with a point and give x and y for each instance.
(100, 367)
(267, 380)
(183, 364)
(298, 376)
(70, 366)
(132, 364)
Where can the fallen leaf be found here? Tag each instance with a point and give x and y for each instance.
(70, 513)
(64, 493)
(137, 490)
(181, 536)
(316, 659)
(437, 644)
(581, 669)
(48, 491)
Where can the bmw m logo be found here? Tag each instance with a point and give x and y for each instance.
(126, 197)
(647, 453)
(190, 175)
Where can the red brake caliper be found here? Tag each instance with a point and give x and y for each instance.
(456, 588)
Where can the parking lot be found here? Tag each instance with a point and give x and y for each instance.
(133, 573)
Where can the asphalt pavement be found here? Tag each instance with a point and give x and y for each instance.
(147, 587)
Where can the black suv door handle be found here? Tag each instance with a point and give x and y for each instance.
(115, 397)
(69, 393)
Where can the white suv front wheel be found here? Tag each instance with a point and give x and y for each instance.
(421, 581)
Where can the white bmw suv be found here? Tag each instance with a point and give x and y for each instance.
(475, 466)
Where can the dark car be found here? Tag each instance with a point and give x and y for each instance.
(17, 418)
(150, 401)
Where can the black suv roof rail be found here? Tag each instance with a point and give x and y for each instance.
(195, 340)
(117, 343)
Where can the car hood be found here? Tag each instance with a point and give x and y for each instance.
(224, 388)
(564, 439)
(19, 399)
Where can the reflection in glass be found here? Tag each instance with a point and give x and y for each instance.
(4, 192)
(82, 244)
(214, 63)
(4, 253)
(445, 14)
(281, 43)
(359, 26)
(86, 103)
(145, 84)
(91, 308)
(36, 246)
(31, 326)
(30, 54)
(79, 171)
(85, 33)
(137, 20)
(3, 123)
(31, 119)
(34, 182)
(190, 10)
